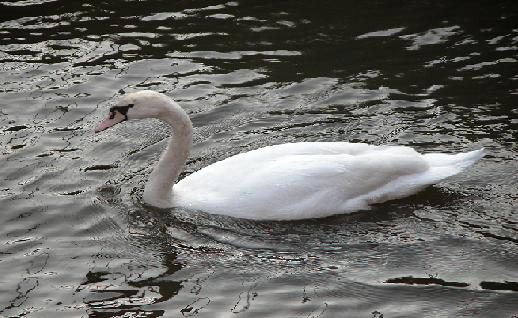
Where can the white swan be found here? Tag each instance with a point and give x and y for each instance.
(282, 182)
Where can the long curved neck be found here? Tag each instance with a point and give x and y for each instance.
(159, 188)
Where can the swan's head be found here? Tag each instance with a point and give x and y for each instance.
(138, 105)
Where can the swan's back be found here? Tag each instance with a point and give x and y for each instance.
(304, 180)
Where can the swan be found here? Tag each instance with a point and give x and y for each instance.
(282, 182)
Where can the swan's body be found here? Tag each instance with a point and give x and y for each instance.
(313, 179)
(288, 181)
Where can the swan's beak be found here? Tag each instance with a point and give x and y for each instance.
(109, 121)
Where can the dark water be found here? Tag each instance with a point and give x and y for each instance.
(76, 240)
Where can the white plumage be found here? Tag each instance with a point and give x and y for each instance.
(309, 180)
(288, 181)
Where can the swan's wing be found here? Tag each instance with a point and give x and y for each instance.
(329, 148)
(232, 170)
(310, 184)
(341, 176)
(307, 148)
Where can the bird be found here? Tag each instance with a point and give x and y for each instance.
(290, 181)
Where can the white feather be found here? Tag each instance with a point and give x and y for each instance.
(309, 180)
(284, 182)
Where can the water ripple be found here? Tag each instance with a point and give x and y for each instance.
(77, 239)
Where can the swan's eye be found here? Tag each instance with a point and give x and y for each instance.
(121, 109)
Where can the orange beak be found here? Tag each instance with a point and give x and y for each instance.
(110, 121)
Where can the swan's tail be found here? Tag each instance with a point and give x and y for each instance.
(442, 166)
(445, 165)
(459, 161)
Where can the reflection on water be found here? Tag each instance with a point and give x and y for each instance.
(76, 240)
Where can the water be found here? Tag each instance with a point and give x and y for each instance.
(76, 240)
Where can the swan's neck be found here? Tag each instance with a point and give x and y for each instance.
(159, 188)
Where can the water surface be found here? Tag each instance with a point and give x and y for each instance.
(76, 239)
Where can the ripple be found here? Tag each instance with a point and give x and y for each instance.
(513, 286)
(24, 3)
(77, 239)
(381, 33)
(478, 66)
(431, 37)
(165, 15)
(100, 167)
(424, 281)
